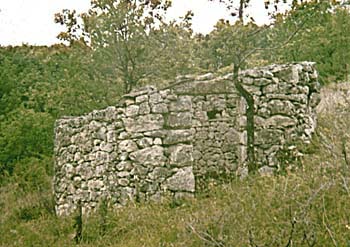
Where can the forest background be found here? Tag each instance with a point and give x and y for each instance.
(121, 45)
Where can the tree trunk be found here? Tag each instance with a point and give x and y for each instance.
(240, 10)
(250, 120)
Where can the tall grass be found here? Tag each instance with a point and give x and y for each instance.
(307, 207)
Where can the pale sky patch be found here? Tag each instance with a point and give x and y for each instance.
(32, 21)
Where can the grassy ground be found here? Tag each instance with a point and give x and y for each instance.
(307, 207)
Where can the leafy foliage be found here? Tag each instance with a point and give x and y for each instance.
(324, 39)
(116, 47)
(132, 37)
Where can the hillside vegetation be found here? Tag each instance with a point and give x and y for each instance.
(307, 206)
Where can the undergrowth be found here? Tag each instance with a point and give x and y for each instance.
(307, 207)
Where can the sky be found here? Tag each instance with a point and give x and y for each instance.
(32, 21)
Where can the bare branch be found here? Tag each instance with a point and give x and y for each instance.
(206, 237)
(324, 218)
(292, 222)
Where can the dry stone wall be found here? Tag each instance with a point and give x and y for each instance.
(163, 142)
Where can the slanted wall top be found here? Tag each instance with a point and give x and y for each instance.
(168, 141)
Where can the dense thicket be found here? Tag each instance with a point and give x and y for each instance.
(119, 51)
(41, 84)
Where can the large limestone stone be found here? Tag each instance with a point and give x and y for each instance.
(124, 166)
(127, 146)
(155, 98)
(204, 87)
(179, 120)
(144, 108)
(182, 180)
(289, 74)
(281, 107)
(232, 136)
(145, 142)
(159, 174)
(300, 98)
(178, 136)
(144, 123)
(183, 103)
(141, 98)
(181, 155)
(132, 110)
(160, 108)
(268, 136)
(153, 156)
(280, 121)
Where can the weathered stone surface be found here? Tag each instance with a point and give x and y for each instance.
(204, 87)
(178, 136)
(268, 136)
(144, 108)
(281, 107)
(181, 155)
(157, 141)
(183, 103)
(144, 123)
(153, 156)
(280, 121)
(155, 98)
(132, 110)
(182, 180)
(107, 147)
(141, 99)
(179, 120)
(154, 140)
(141, 91)
(124, 166)
(159, 174)
(160, 108)
(127, 146)
(145, 142)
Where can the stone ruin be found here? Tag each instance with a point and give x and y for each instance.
(163, 142)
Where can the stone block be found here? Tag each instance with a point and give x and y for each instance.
(266, 171)
(144, 108)
(145, 142)
(183, 180)
(160, 108)
(178, 136)
(124, 166)
(151, 156)
(183, 103)
(204, 87)
(181, 155)
(144, 123)
(127, 146)
(279, 121)
(141, 99)
(159, 174)
(155, 98)
(281, 107)
(132, 110)
(268, 136)
(179, 120)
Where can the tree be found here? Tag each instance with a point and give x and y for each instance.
(128, 36)
(325, 39)
(237, 43)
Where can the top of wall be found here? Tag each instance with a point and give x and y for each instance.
(212, 84)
